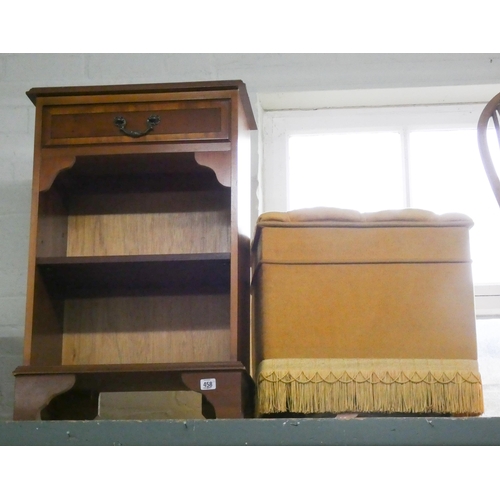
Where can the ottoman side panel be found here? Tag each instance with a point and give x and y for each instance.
(421, 311)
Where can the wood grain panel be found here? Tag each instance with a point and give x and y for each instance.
(171, 329)
(147, 234)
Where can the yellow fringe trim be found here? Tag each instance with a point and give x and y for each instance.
(369, 386)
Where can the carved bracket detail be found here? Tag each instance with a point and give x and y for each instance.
(51, 167)
(219, 162)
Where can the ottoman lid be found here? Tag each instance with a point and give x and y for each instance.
(333, 217)
(325, 235)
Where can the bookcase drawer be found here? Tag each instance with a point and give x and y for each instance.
(138, 122)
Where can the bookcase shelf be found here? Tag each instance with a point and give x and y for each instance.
(85, 277)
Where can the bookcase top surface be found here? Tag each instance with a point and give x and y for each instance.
(217, 85)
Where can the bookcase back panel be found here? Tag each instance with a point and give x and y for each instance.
(170, 329)
(146, 234)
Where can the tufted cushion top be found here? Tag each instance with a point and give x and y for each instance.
(326, 216)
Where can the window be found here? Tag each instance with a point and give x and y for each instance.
(388, 157)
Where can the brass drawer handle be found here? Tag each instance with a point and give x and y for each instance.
(151, 122)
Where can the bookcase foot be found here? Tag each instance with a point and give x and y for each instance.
(33, 393)
(224, 394)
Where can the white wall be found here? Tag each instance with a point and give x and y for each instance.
(263, 73)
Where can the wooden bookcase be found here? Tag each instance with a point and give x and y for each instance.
(139, 251)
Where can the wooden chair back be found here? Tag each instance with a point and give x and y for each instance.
(491, 113)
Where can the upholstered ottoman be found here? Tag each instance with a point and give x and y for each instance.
(364, 313)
